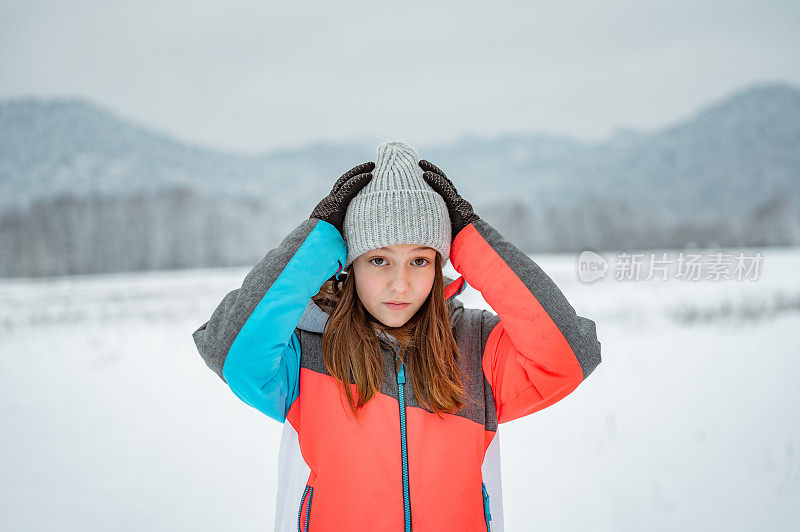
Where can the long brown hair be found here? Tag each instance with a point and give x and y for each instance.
(351, 347)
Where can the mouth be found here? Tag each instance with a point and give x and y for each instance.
(396, 306)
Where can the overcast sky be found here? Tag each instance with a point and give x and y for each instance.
(253, 76)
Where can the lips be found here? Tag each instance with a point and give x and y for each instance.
(397, 306)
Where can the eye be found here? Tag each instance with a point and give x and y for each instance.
(414, 261)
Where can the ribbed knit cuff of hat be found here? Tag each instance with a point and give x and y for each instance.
(396, 207)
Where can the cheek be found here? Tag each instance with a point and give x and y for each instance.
(373, 291)
(424, 287)
(368, 289)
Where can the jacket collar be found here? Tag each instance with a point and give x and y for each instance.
(313, 319)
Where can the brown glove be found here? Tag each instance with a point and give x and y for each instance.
(333, 207)
(460, 210)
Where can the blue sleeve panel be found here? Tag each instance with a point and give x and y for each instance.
(262, 366)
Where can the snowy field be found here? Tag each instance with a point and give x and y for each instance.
(111, 421)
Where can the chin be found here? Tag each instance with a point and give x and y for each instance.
(396, 322)
(393, 321)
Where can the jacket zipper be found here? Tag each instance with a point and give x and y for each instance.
(310, 492)
(401, 379)
(487, 514)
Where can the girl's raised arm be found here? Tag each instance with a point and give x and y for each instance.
(536, 349)
(249, 340)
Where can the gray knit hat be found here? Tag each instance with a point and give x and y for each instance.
(396, 207)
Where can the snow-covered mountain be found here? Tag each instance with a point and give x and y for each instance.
(83, 190)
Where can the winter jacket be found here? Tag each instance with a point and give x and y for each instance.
(400, 468)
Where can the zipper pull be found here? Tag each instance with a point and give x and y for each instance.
(401, 374)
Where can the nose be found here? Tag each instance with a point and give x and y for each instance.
(399, 282)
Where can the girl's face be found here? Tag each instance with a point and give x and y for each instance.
(402, 272)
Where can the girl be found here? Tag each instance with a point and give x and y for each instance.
(390, 390)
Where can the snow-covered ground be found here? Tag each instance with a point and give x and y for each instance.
(111, 420)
